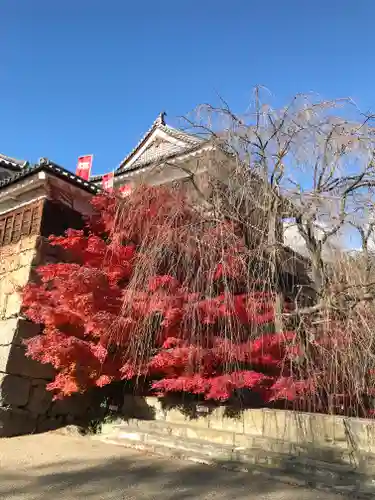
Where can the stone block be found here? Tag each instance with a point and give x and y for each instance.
(20, 276)
(4, 357)
(6, 285)
(199, 421)
(137, 407)
(186, 415)
(31, 242)
(3, 302)
(16, 422)
(25, 330)
(175, 415)
(38, 381)
(210, 435)
(16, 330)
(295, 427)
(360, 434)
(9, 263)
(8, 330)
(13, 305)
(27, 258)
(264, 423)
(315, 429)
(76, 405)
(156, 406)
(14, 391)
(219, 420)
(40, 400)
(46, 424)
(19, 364)
(8, 251)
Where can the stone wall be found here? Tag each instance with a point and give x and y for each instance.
(286, 430)
(321, 450)
(346, 436)
(25, 405)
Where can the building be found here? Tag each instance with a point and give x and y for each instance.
(35, 201)
(43, 199)
(161, 146)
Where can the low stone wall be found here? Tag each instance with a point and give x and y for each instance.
(303, 448)
(25, 405)
(352, 440)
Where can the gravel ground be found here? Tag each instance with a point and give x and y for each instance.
(54, 466)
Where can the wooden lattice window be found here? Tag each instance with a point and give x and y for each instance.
(24, 221)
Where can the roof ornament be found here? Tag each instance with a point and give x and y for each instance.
(43, 161)
(160, 120)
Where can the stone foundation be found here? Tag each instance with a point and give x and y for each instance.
(25, 404)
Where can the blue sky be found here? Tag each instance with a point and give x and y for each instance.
(90, 76)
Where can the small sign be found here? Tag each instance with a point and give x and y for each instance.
(202, 409)
(107, 182)
(84, 167)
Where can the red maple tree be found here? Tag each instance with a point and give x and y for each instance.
(154, 291)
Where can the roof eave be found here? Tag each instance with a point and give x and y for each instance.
(168, 160)
(53, 169)
(13, 163)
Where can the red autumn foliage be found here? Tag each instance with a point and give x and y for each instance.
(154, 291)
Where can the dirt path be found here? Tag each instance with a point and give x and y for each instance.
(53, 466)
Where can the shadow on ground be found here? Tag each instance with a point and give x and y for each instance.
(80, 469)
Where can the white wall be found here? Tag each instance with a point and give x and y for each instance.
(294, 240)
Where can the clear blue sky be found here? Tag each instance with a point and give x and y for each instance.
(90, 76)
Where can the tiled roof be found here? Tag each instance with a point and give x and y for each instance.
(49, 167)
(98, 177)
(12, 163)
(185, 142)
(170, 155)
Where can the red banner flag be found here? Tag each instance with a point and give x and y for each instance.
(84, 167)
(107, 182)
(125, 190)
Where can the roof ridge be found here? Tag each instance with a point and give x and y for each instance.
(178, 132)
(13, 161)
(159, 123)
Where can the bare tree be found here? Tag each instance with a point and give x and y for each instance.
(304, 169)
(309, 165)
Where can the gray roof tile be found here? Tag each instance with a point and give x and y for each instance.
(12, 163)
(51, 168)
